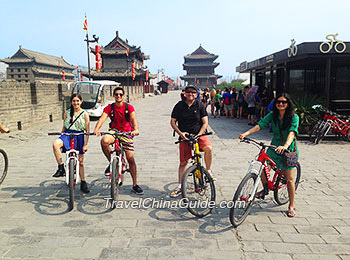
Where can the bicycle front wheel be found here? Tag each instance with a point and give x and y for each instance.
(241, 204)
(114, 182)
(313, 132)
(71, 172)
(3, 165)
(323, 132)
(198, 190)
(281, 190)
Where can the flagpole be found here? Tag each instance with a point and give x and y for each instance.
(87, 44)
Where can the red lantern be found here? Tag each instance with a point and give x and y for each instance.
(81, 77)
(63, 75)
(133, 70)
(98, 57)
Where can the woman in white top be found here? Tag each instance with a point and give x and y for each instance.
(76, 120)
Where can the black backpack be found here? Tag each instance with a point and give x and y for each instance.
(126, 114)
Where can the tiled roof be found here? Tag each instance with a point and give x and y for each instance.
(200, 53)
(24, 55)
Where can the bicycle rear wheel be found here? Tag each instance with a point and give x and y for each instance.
(115, 182)
(281, 192)
(199, 192)
(71, 172)
(241, 206)
(3, 165)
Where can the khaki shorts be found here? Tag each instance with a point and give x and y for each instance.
(228, 107)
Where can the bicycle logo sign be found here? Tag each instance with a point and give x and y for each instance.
(339, 47)
(293, 49)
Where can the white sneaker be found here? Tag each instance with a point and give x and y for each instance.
(212, 175)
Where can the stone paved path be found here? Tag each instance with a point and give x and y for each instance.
(35, 223)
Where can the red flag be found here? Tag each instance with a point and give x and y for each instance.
(85, 24)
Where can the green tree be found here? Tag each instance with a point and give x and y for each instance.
(233, 84)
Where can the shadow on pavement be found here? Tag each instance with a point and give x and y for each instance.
(51, 197)
(216, 222)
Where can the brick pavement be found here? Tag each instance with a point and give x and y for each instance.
(35, 223)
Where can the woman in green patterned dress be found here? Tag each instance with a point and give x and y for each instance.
(281, 118)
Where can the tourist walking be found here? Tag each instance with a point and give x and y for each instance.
(212, 101)
(217, 103)
(205, 98)
(263, 103)
(240, 104)
(228, 106)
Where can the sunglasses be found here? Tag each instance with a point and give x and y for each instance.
(191, 92)
(281, 102)
(118, 94)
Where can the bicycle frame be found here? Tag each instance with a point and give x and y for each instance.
(262, 160)
(72, 154)
(118, 154)
(197, 159)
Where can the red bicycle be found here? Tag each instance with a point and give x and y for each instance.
(72, 165)
(331, 121)
(118, 165)
(246, 192)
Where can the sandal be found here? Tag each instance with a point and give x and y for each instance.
(260, 195)
(291, 212)
(175, 192)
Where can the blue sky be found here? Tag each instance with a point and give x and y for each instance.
(236, 30)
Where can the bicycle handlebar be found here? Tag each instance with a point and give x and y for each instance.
(117, 133)
(70, 134)
(192, 137)
(248, 140)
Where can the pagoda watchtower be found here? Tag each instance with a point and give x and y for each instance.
(200, 67)
(118, 58)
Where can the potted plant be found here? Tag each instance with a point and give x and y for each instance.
(307, 115)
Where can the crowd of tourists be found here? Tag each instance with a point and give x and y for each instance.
(251, 103)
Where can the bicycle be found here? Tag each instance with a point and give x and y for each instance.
(332, 38)
(196, 181)
(246, 191)
(72, 164)
(293, 49)
(330, 121)
(3, 165)
(118, 165)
